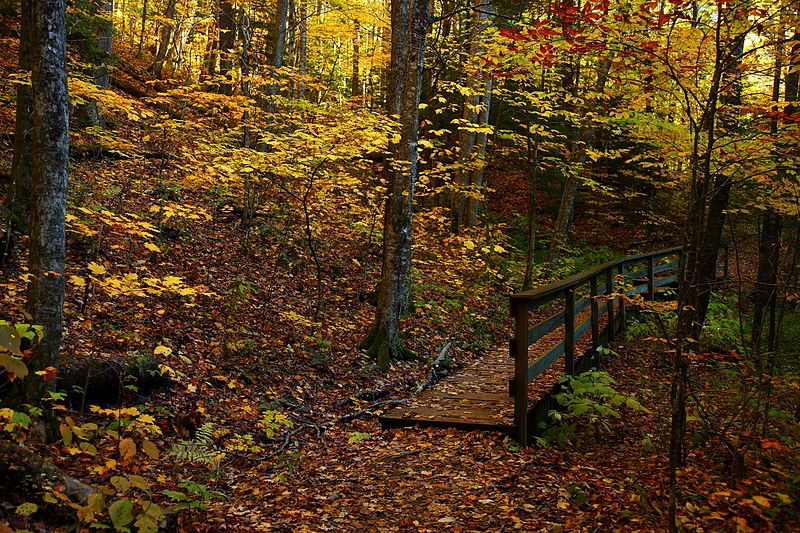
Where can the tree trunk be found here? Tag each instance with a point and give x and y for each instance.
(49, 184)
(18, 200)
(90, 114)
(532, 170)
(483, 84)
(355, 80)
(165, 39)
(409, 28)
(227, 38)
(702, 234)
(302, 49)
(212, 56)
(577, 156)
(244, 64)
(141, 32)
(466, 135)
(26, 475)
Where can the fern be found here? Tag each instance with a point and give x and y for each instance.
(200, 449)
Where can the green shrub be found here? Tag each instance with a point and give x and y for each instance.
(589, 403)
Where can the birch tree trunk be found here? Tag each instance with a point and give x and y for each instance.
(227, 38)
(483, 84)
(355, 80)
(409, 28)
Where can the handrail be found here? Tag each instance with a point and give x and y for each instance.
(580, 278)
(524, 337)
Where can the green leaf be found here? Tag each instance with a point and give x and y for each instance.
(21, 419)
(121, 513)
(120, 483)
(27, 509)
(139, 482)
(580, 409)
(176, 495)
(10, 339)
(13, 365)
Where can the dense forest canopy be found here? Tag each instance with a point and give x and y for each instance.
(235, 231)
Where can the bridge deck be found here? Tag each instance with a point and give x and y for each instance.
(474, 398)
(477, 397)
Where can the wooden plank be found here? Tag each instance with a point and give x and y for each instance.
(595, 313)
(551, 323)
(610, 306)
(521, 309)
(548, 292)
(663, 268)
(569, 331)
(666, 281)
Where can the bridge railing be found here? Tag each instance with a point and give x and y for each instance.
(590, 288)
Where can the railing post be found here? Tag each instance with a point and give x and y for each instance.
(595, 319)
(569, 331)
(621, 272)
(651, 279)
(611, 328)
(519, 309)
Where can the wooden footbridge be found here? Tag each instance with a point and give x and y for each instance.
(558, 328)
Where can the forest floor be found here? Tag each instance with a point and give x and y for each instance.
(267, 385)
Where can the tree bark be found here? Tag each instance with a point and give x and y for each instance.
(90, 114)
(165, 39)
(466, 137)
(577, 155)
(227, 38)
(302, 48)
(532, 170)
(409, 28)
(704, 225)
(482, 83)
(18, 200)
(49, 184)
(141, 31)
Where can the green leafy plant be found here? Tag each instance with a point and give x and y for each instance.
(589, 403)
(201, 448)
(358, 436)
(194, 496)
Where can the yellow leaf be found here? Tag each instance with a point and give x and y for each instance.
(75, 280)
(162, 350)
(469, 245)
(150, 449)
(97, 269)
(127, 448)
(152, 247)
(499, 249)
(762, 501)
